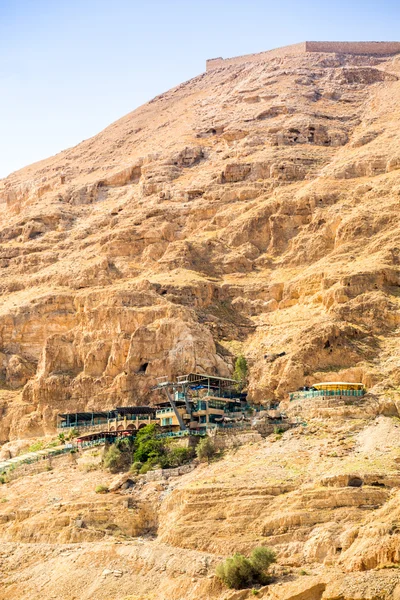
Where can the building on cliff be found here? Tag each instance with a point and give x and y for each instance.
(195, 403)
(340, 389)
(200, 402)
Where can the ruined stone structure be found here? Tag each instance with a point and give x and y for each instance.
(380, 48)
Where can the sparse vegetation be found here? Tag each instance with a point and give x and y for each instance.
(262, 558)
(176, 457)
(148, 448)
(101, 489)
(88, 467)
(73, 433)
(146, 452)
(206, 449)
(239, 572)
(114, 459)
(36, 446)
(278, 430)
(241, 371)
(135, 467)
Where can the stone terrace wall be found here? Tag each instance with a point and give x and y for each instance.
(303, 47)
(354, 47)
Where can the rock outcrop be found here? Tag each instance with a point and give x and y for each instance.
(253, 206)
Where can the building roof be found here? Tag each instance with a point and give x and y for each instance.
(135, 410)
(199, 377)
(86, 416)
(326, 383)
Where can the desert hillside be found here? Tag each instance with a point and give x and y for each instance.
(254, 207)
(251, 210)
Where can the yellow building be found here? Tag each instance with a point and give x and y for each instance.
(167, 418)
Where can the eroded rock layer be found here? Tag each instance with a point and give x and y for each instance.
(253, 208)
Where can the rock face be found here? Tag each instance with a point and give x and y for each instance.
(325, 496)
(253, 207)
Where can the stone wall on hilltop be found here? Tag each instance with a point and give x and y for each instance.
(367, 48)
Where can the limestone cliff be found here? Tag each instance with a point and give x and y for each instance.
(253, 208)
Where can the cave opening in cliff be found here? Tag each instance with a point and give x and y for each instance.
(355, 482)
(143, 368)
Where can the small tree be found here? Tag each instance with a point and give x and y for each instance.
(241, 371)
(148, 448)
(205, 449)
(262, 558)
(236, 572)
(114, 459)
(176, 457)
(239, 572)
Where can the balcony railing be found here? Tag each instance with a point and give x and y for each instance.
(99, 424)
(319, 393)
(96, 426)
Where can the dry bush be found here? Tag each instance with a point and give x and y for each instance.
(89, 466)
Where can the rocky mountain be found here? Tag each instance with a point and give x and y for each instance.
(253, 209)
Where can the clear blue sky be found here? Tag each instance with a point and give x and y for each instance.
(68, 68)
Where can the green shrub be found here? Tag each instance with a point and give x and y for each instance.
(61, 438)
(206, 449)
(236, 572)
(262, 558)
(73, 433)
(88, 467)
(146, 452)
(101, 489)
(150, 464)
(175, 457)
(239, 572)
(149, 451)
(114, 459)
(136, 466)
(278, 430)
(124, 444)
(148, 448)
(36, 446)
(241, 371)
